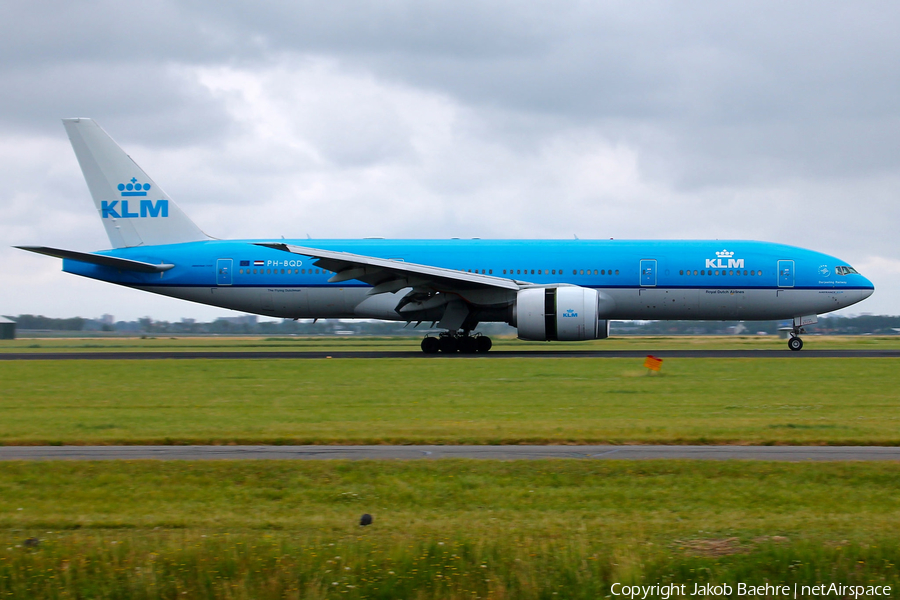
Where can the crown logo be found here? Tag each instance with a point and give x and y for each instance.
(724, 254)
(134, 188)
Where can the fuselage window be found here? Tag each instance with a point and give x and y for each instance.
(617, 271)
(729, 272)
(518, 272)
(268, 271)
(504, 271)
(745, 273)
(582, 272)
(532, 271)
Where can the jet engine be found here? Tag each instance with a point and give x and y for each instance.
(565, 313)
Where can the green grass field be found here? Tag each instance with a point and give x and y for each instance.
(411, 344)
(469, 401)
(446, 529)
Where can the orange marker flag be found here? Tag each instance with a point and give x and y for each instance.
(653, 363)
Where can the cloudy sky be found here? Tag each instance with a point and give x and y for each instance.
(776, 121)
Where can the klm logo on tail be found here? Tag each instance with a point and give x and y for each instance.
(147, 208)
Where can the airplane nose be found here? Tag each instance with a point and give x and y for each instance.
(868, 287)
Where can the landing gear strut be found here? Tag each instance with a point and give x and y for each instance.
(450, 343)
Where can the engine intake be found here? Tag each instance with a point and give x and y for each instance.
(566, 314)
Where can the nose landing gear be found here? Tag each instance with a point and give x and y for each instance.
(450, 343)
(794, 341)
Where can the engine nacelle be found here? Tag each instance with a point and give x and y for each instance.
(567, 314)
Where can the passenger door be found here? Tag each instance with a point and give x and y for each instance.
(785, 273)
(223, 271)
(648, 272)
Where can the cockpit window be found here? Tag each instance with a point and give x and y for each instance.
(844, 270)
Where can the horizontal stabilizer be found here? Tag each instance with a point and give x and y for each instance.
(123, 264)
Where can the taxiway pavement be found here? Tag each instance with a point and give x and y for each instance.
(601, 452)
(302, 354)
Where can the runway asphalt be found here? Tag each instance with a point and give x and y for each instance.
(773, 453)
(269, 355)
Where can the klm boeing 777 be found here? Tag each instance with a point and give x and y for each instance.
(548, 289)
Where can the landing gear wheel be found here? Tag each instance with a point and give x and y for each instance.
(448, 344)
(431, 345)
(468, 345)
(795, 344)
(483, 343)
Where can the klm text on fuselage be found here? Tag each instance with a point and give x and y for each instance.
(716, 263)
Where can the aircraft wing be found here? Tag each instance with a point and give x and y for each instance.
(385, 275)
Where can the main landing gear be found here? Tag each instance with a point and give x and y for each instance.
(450, 343)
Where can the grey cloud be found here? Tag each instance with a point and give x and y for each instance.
(148, 103)
(741, 92)
(43, 32)
(765, 120)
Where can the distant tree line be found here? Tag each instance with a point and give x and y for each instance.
(41, 322)
(250, 325)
